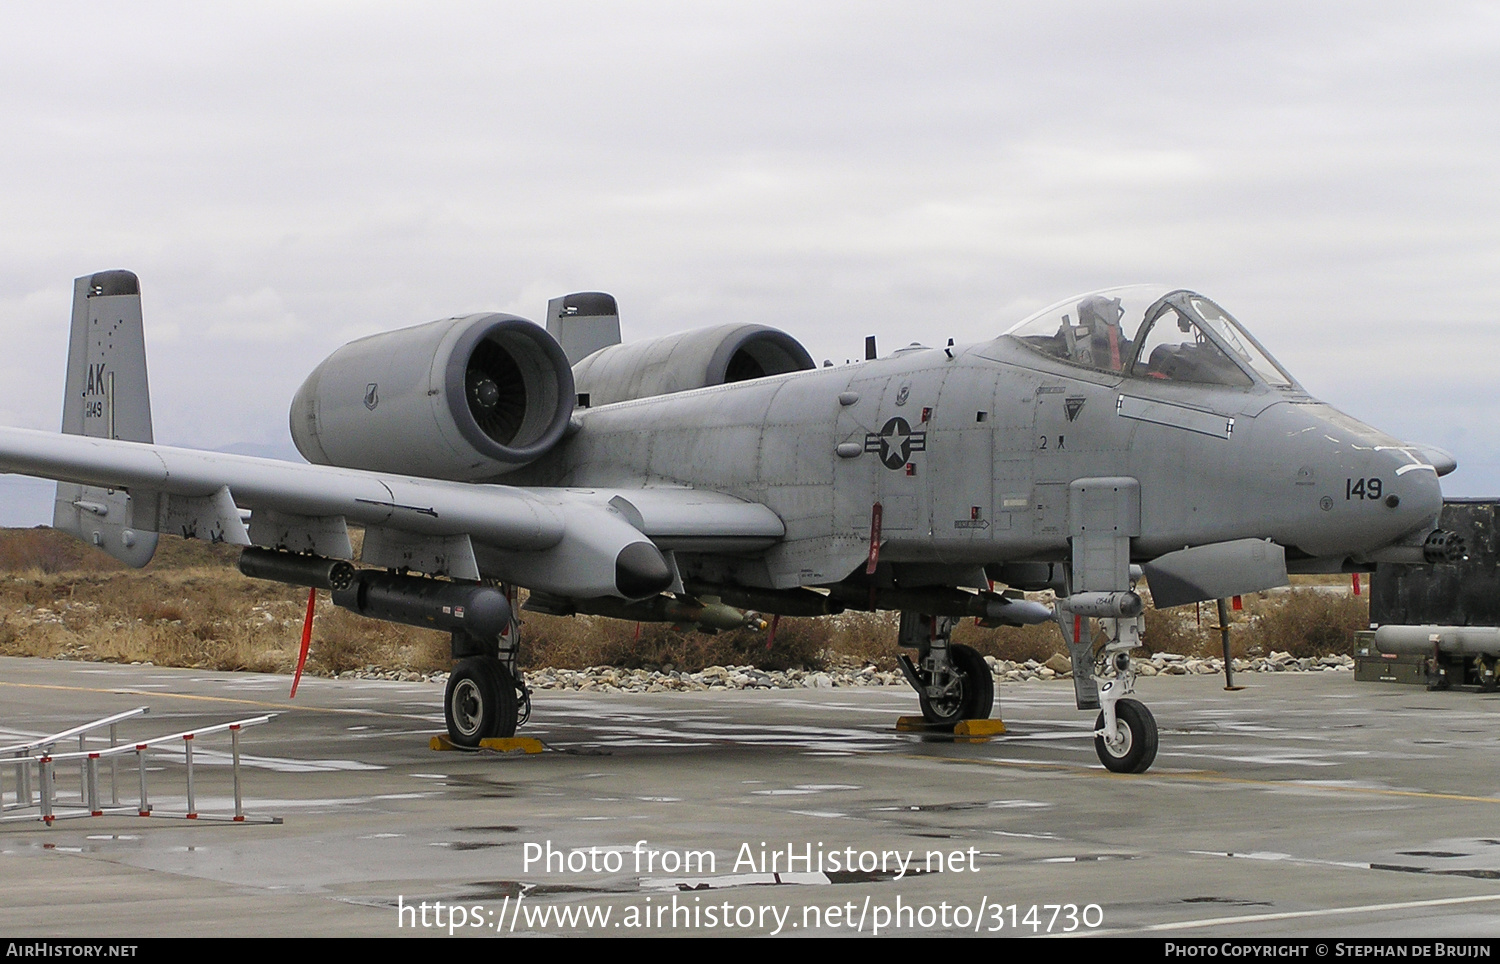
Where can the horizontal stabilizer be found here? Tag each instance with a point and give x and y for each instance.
(1215, 571)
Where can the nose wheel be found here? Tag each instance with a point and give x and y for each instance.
(1131, 747)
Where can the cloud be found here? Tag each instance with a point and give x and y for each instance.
(290, 176)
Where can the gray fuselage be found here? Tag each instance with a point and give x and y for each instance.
(970, 451)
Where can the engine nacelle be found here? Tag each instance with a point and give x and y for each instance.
(688, 360)
(464, 398)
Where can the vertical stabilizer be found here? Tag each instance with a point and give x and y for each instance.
(583, 323)
(107, 397)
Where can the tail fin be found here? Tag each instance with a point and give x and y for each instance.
(107, 397)
(583, 323)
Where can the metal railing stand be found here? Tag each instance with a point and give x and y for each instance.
(49, 808)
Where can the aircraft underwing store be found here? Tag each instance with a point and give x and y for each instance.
(717, 477)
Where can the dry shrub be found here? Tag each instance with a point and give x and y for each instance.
(577, 642)
(171, 645)
(159, 610)
(1176, 630)
(205, 617)
(1016, 643)
(867, 637)
(18, 639)
(1308, 622)
(49, 551)
(174, 552)
(871, 638)
(343, 641)
(566, 642)
(44, 641)
(190, 607)
(800, 643)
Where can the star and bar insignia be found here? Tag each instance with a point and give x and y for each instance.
(896, 442)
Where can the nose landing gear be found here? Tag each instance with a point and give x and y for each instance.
(1127, 744)
(1125, 735)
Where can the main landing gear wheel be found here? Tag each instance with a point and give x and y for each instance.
(972, 698)
(1136, 728)
(480, 701)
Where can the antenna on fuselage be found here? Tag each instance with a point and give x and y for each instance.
(870, 348)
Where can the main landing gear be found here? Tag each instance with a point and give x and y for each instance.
(487, 695)
(953, 682)
(482, 701)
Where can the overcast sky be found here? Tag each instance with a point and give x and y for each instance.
(286, 177)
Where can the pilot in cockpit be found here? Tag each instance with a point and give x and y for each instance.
(1097, 341)
(1109, 345)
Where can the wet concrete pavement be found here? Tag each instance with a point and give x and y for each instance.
(1308, 804)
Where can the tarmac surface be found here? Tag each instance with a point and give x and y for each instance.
(1306, 805)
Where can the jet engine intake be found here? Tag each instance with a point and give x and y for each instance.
(465, 399)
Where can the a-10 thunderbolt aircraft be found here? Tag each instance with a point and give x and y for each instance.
(715, 475)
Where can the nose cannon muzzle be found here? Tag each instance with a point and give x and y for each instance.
(1444, 546)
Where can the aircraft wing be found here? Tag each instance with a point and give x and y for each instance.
(563, 540)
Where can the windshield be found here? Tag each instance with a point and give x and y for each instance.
(1177, 349)
(1238, 340)
(1151, 331)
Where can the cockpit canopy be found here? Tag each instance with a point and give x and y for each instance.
(1150, 331)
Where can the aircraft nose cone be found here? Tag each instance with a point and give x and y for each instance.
(1413, 484)
(1358, 490)
(1401, 494)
